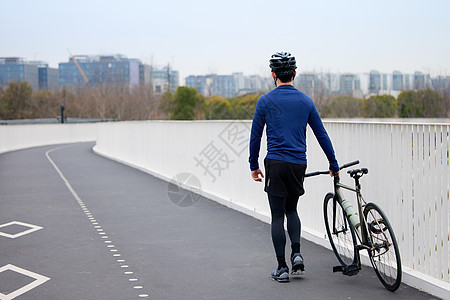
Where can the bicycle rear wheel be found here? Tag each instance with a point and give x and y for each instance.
(340, 231)
(384, 255)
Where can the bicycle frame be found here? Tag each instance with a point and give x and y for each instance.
(362, 230)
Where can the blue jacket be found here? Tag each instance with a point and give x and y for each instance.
(286, 111)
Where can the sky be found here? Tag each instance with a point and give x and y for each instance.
(201, 37)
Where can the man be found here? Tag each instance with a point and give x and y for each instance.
(286, 111)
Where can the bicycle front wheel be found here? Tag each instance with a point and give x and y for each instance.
(340, 231)
(384, 254)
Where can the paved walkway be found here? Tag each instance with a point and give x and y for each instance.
(74, 225)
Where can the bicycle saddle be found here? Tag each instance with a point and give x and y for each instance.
(358, 172)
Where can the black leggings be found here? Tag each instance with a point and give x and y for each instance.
(280, 206)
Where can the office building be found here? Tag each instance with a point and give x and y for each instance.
(99, 70)
(15, 69)
(48, 78)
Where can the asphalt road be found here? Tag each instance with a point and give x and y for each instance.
(74, 225)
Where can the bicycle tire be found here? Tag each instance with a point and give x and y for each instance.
(385, 255)
(342, 235)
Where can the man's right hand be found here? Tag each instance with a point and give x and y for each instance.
(332, 173)
(255, 175)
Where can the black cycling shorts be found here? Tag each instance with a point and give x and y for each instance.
(283, 178)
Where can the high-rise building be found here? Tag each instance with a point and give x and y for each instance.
(421, 81)
(98, 70)
(349, 84)
(165, 79)
(374, 82)
(307, 83)
(15, 69)
(227, 85)
(199, 83)
(145, 74)
(408, 81)
(441, 83)
(397, 81)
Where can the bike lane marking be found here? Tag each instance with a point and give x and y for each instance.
(39, 279)
(93, 221)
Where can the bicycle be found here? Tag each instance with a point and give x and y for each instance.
(368, 229)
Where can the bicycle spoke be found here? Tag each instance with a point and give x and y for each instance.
(340, 231)
(384, 252)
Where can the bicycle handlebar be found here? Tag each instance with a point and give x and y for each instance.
(349, 164)
(328, 172)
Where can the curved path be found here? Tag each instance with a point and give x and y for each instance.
(74, 225)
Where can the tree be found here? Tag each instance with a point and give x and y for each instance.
(187, 104)
(408, 105)
(2, 109)
(431, 103)
(217, 108)
(419, 104)
(45, 104)
(243, 107)
(442, 86)
(380, 106)
(166, 104)
(343, 107)
(17, 100)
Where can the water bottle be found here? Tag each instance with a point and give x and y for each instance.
(352, 215)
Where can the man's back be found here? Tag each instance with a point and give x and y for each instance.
(286, 111)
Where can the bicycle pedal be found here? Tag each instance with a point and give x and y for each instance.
(349, 270)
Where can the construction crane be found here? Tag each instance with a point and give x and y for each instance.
(79, 67)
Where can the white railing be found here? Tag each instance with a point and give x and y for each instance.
(409, 174)
(408, 177)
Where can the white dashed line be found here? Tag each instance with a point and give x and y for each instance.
(93, 220)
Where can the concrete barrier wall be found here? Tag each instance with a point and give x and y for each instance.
(15, 137)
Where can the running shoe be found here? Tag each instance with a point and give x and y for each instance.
(280, 275)
(298, 267)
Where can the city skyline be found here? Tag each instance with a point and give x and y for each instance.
(201, 37)
(118, 69)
